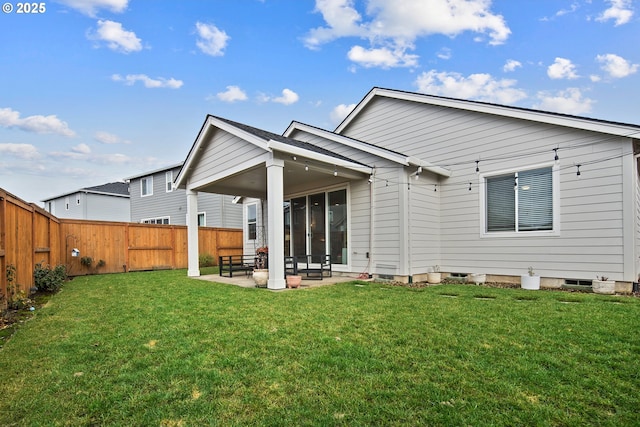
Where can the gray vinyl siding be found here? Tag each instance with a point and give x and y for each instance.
(91, 206)
(106, 208)
(219, 209)
(590, 238)
(225, 151)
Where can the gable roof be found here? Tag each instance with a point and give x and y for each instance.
(268, 141)
(385, 153)
(117, 189)
(567, 120)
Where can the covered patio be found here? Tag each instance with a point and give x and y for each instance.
(235, 159)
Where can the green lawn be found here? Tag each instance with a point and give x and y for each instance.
(160, 349)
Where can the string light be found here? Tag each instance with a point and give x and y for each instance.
(477, 166)
(469, 186)
(306, 166)
(370, 179)
(435, 187)
(578, 170)
(555, 157)
(335, 171)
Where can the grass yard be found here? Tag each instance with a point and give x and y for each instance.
(160, 349)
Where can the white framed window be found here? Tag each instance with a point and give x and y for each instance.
(146, 186)
(252, 221)
(168, 177)
(160, 220)
(521, 202)
(202, 219)
(66, 203)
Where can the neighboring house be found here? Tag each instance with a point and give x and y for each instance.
(154, 200)
(409, 181)
(107, 202)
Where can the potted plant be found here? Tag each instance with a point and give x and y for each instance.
(434, 276)
(260, 270)
(602, 285)
(477, 278)
(530, 281)
(293, 281)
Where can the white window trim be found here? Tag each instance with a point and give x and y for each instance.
(482, 195)
(168, 177)
(159, 218)
(150, 178)
(246, 221)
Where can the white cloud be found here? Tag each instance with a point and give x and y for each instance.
(569, 101)
(81, 149)
(21, 151)
(211, 40)
(90, 7)
(381, 57)
(616, 66)
(288, 97)
(38, 124)
(445, 53)
(116, 37)
(392, 26)
(341, 111)
(160, 82)
(480, 87)
(232, 94)
(562, 68)
(595, 78)
(620, 11)
(109, 138)
(511, 65)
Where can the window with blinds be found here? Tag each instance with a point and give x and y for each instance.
(520, 201)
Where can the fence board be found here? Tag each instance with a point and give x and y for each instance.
(30, 235)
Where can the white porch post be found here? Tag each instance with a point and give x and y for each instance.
(192, 234)
(275, 216)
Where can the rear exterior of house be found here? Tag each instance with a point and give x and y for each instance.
(430, 181)
(154, 200)
(107, 202)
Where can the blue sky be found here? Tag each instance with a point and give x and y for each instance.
(93, 91)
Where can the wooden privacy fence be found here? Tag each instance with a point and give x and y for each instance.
(30, 235)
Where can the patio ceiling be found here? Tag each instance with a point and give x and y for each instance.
(299, 175)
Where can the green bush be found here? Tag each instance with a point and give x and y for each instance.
(49, 279)
(206, 260)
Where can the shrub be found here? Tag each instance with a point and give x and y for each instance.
(49, 279)
(206, 260)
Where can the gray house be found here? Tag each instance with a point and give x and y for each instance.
(107, 202)
(409, 181)
(154, 200)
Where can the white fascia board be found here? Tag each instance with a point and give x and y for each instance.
(594, 125)
(349, 142)
(414, 161)
(297, 151)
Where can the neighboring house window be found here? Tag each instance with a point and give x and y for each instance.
(520, 201)
(146, 186)
(168, 176)
(161, 220)
(78, 200)
(66, 203)
(202, 219)
(252, 224)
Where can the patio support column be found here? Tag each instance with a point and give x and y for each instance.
(192, 234)
(275, 216)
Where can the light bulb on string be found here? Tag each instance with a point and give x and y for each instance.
(477, 166)
(578, 171)
(555, 157)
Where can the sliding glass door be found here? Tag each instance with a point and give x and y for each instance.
(317, 225)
